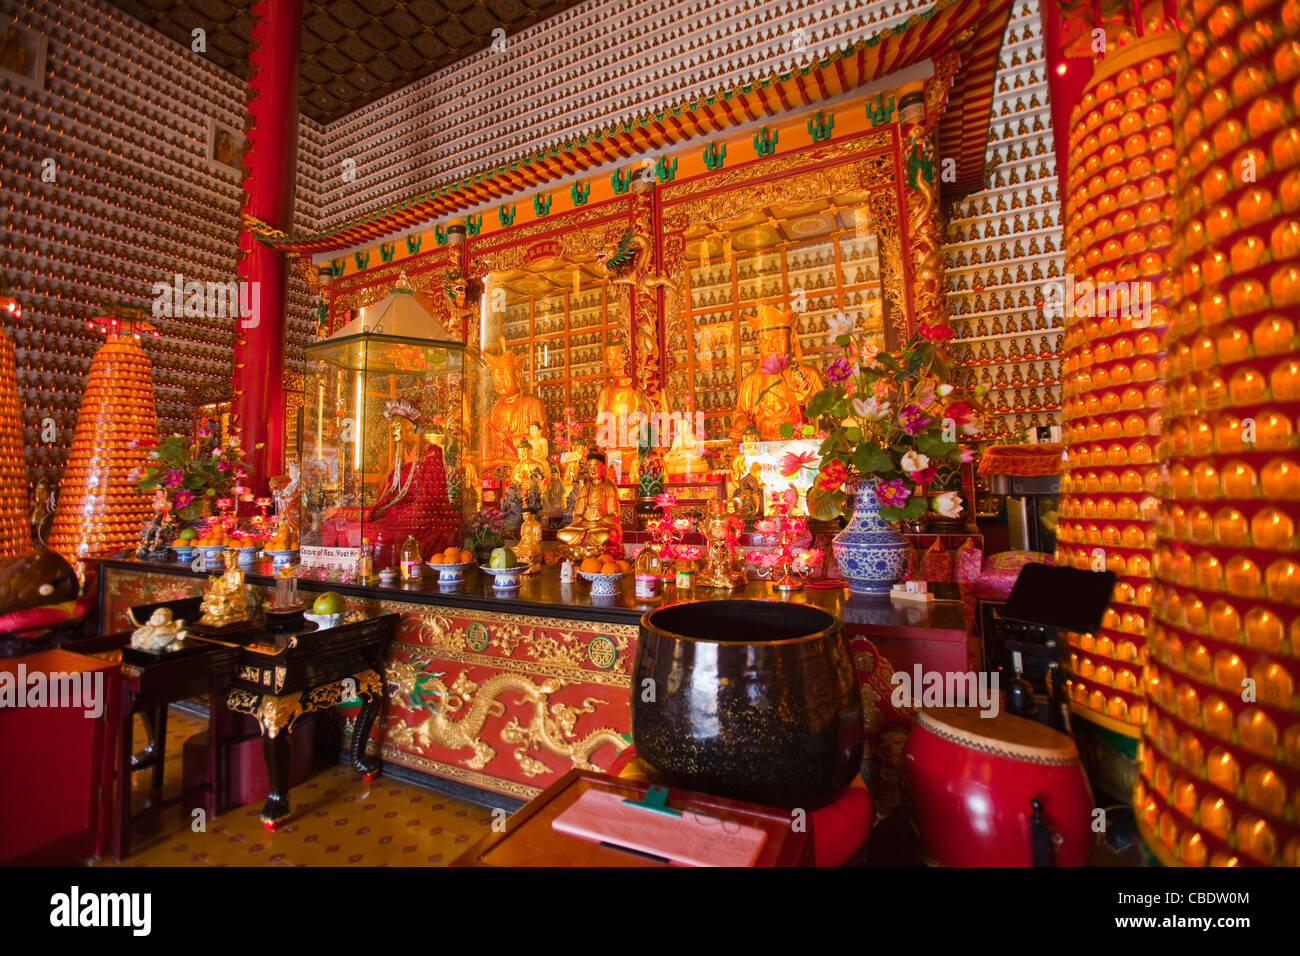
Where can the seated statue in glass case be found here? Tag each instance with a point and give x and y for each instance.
(413, 499)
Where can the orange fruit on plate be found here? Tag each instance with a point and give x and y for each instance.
(591, 565)
(609, 567)
(623, 566)
(466, 556)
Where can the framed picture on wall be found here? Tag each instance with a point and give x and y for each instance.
(22, 56)
(225, 145)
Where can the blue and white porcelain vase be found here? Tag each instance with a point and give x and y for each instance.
(872, 556)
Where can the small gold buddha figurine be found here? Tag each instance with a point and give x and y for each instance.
(749, 496)
(529, 549)
(224, 601)
(770, 400)
(721, 529)
(596, 522)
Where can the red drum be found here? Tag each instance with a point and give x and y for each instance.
(969, 782)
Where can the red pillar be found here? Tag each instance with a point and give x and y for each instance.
(270, 155)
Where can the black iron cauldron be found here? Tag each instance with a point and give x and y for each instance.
(754, 700)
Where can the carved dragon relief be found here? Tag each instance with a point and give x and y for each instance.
(459, 712)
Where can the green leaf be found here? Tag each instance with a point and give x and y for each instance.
(854, 435)
(933, 445)
(889, 362)
(870, 460)
(822, 402)
(825, 505)
(915, 507)
(891, 513)
(843, 341)
(787, 430)
(809, 431)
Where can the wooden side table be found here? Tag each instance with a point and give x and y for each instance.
(529, 840)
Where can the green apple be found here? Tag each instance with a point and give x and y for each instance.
(328, 603)
(188, 534)
(502, 558)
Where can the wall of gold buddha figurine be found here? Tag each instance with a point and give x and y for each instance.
(1220, 751)
(1121, 188)
(1005, 246)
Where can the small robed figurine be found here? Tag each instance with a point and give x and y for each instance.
(721, 530)
(767, 400)
(159, 530)
(224, 601)
(529, 549)
(595, 525)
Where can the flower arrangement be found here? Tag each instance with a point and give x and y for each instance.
(888, 417)
(485, 530)
(784, 565)
(194, 474)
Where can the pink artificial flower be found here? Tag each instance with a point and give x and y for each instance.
(881, 389)
(682, 524)
(183, 498)
(774, 364)
(924, 475)
(893, 493)
(223, 465)
(967, 454)
(839, 370)
(767, 526)
(789, 497)
(807, 559)
(913, 419)
(665, 499)
(771, 559)
(174, 476)
(791, 462)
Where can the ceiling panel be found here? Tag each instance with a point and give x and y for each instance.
(351, 43)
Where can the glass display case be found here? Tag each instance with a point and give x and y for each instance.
(383, 435)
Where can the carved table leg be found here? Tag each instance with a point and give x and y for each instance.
(364, 764)
(277, 752)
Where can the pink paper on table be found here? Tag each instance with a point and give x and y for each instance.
(690, 840)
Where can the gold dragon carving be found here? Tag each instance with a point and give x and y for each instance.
(550, 725)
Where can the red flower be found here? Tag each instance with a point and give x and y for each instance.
(834, 474)
(960, 412)
(935, 332)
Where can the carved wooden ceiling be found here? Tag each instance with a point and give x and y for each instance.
(353, 53)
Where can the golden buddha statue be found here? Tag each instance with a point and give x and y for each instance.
(684, 458)
(596, 523)
(766, 400)
(541, 448)
(513, 411)
(529, 549)
(617, 403)
(721, 530)
(224, 601)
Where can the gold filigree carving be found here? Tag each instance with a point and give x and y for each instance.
(276, 714)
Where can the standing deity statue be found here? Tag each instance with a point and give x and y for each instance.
(513, 410)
